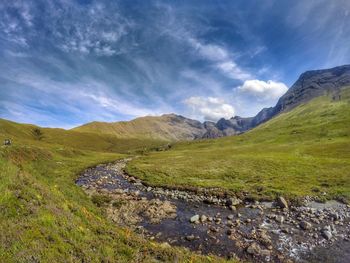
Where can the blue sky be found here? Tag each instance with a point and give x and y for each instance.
(64, 62)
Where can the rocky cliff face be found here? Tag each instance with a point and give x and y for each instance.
(310, 84)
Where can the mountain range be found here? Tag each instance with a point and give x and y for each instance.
(174, 127)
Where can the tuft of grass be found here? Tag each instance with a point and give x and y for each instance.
(293, 154)
(100, 200)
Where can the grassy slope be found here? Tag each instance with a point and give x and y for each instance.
(165, 127)
(302, 152)
(45, 217)
(22, 134)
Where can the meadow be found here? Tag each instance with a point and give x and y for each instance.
(45, 217)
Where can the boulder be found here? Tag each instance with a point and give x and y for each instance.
(281, 202)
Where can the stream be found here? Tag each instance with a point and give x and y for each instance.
(252, 231)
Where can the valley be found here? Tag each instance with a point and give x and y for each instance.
(159, 189)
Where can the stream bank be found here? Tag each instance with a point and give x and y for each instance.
(230, 228)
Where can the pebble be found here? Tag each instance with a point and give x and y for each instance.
(194, 219)
(305, 225)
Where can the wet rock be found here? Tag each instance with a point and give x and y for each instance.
(194, 219)
(326, 234)
(279, 219)
(281, 202)
(233, 201)
(230, 217)
(305, 225)
(213, 229)
(203, 218)
(254, 249)
(232, 208)
(190, 238)
(265, 253)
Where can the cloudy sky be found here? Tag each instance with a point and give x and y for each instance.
(68, 62)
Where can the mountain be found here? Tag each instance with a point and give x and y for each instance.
(169, 127)
(310, 84)
(172, 127)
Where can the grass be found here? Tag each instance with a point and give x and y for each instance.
(23, 134)
(302, 152)
(45, 217)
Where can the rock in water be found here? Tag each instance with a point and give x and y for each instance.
(194, 219)
(203, 218)
(254, 249)
(305, 225)
(190, 238)
(327, 234)
(281, 202)
(233, 201)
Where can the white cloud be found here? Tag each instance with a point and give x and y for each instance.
(231, 70)
(209, 108)
(261, 90)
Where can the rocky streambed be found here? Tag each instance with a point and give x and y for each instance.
(226, 227)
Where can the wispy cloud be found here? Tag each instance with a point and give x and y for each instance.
(77, 61)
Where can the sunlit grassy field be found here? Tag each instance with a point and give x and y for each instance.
(302, 152)
(45, 217)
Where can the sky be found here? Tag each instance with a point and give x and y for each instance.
(68, 62)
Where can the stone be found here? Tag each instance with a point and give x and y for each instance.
(327, 234)
(203, 218)
(305, 225)
(194, 219)
(232, 208)
(233, 201)
(190, 238)
(213, 229)
(281, 202)
(254, 249)
(279, 219)
(230, 217)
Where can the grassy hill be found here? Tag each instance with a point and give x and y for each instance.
(22, 134)
(45, 217)
(168, 127)
(302, 152)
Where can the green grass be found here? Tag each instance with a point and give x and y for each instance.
(45, 217)
(302, 152)
(22, 134)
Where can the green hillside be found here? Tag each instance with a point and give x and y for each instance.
(168, 127)
(23, 134)
(302, 152)
(45, 217)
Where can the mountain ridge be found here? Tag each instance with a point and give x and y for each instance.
(175, 127)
